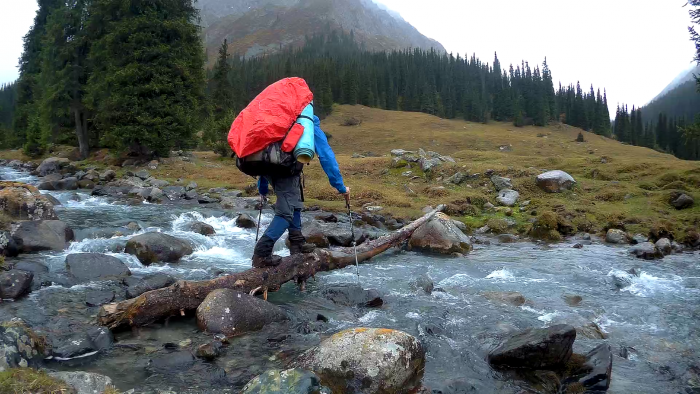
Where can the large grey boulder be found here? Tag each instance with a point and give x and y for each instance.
(15, 283)
(8, 246)
(291, 381)
(37, 236)
(157, 247)
(174, 192)
(232, 313)
(20, 201)
(87, 267)
(367, 360)
(664, 246)
(535, 348)
(615, 236)
(52, 165)
(682, 201)
(501, 183)
(440, 235)
(508, 197)
(647, 251)
(84, 382)
(595, 374)
(107, 176)
(138, 286)
(19, 346)
(555, 181)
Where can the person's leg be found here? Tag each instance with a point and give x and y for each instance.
(284, 217)
(296, 238)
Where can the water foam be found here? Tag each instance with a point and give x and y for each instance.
(501, 275)
(645, 285)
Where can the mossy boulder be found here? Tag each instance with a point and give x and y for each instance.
(291, 381)
(21, 347)
(546, 227)
(367, 360)
(20, 201)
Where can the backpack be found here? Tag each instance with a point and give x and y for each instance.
(264, 134)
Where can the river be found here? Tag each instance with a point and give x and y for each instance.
(652, 320)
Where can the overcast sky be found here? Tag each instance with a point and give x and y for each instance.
(633, 48)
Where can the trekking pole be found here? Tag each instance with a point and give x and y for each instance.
(257, 234)
(354, 242)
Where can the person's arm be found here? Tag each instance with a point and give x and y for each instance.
(327, 158)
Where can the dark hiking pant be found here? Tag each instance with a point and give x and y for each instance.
(287, 216)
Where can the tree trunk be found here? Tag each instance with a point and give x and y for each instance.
(82, 133)
(187, 295)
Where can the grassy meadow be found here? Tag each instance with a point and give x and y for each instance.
(618, 185)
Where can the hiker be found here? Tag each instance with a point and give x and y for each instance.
(289, 203)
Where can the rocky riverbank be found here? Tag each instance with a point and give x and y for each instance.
(357, 358)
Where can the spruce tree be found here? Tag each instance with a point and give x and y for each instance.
(148, 74)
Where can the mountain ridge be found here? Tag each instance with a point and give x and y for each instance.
(258, 27)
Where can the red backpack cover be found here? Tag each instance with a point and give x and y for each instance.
(269, 117)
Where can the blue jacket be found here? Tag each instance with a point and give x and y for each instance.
(325, 156)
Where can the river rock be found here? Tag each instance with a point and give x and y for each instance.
(458, 178)
(535, 348)
(646, 250)
(440, 235)
(639, 238)
(209, 351)
(37, 236)
(157, 247)
(159, 183)
(245, 221)
(291, 381)
(353, 295)
(555, 181)
(191, 195)
(591, 331)
(367, 360)
(423, 282)
(191, 186)
(20, 201)
(171, 362)
(136, 286)
(52, 165)
(508, 197)
(681, 201)
(143, 175)
(615, 236)
(97, 297)
(20, 346)
(201, 228)
(572, 299)
(87, 267)
(70, 183)
(174, 193)
(501, 183)
(232, 313)
(505, 297)
(595, 374)
(664, 246)
(84, 382)
(8, 246)
(14, 283)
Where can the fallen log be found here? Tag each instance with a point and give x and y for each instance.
(187, 295)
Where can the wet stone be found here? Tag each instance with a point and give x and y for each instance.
(440, 235)
(37, 236)
(86, 267)
(138, 286)
(84, 382)
(157, 247)
(245, 221)
(535, 348)
(232, 313)
(423, 282)
(506, 297)
(291, 381)
(353, 295)
(98, 297)
(202, 228)
(209, 351)
(595, 374)
(171, 362)
(572, 300)
(15, 283)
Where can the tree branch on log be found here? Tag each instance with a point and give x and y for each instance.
(187, 295)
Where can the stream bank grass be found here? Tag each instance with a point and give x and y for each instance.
(31, 381)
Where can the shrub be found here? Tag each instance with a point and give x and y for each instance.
(546, 227)
(27, 380)
(351, 121)
(580, 137)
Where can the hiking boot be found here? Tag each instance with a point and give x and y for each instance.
(297, 243)
(268, 261)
